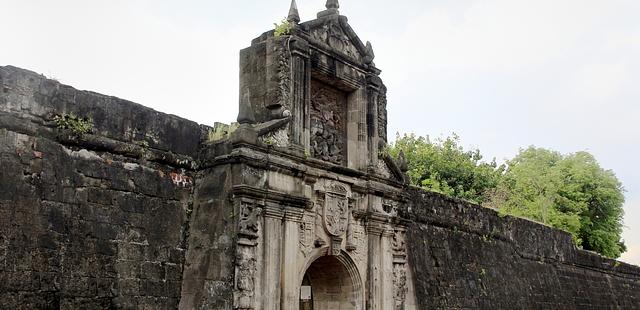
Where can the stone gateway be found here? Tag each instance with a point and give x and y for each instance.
(325, 196)
(297, 206)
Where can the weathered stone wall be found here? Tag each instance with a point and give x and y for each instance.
(140, 213)
(92, 222)
(468, 257)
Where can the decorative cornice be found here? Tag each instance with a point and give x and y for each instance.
(271, 195)
(273, 210)
(293, 214)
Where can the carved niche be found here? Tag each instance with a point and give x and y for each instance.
(328, 122)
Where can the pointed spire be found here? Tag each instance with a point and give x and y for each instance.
(293, 17)
(332, 4)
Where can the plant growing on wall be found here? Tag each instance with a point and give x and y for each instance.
(282, 29)
(76, 125)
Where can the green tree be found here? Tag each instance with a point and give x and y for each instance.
(571, 192)
(445, 166)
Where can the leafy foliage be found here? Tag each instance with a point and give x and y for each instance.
(77, 125)
(282, 29)
(444, 166)
(569, 192)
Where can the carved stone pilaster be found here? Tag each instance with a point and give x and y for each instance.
(300, 79)
(307, 228)
(293, 215)
(375, 229)
(249, 219)
(351, 245)
(319, 210)
(399, 285)
(382, 114)
(399, 250)
(245, 279)
(273, 211)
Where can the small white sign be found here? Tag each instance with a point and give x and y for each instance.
(305, 292)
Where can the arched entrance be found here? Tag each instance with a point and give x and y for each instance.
(331, 282)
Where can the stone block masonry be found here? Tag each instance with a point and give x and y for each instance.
(468, 257)
(97, 221)
(130, 216)
(106, 204)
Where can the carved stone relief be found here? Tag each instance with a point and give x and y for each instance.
(248, 220)
(245, 278)
(390, 207)
(278, 138)
(383, 170)
(307, 232)
(284, 78)
(399, 285)
(328, 122)
(336, 211)
(319, 219)
(398, 248)
(360, 241)
(382, 114)
(332, 35)
(398, 243)
(245, 263)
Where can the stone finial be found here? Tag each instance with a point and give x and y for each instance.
(332, 9)
(293, 17)
(332, 4)
(369, 56)
(402, 162)
(245, 113)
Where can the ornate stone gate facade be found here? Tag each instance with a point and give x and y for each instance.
(314, 194)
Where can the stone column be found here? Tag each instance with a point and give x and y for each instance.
(375, 230)
(290, 266)
(273, 216)
(300, 96)
(386, 263)
(357, 129)
(373, 92)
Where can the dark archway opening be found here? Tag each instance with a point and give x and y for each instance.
(328, 285)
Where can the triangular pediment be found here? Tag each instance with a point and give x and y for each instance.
(335, 33)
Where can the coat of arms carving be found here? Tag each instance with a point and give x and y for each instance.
(336, 207)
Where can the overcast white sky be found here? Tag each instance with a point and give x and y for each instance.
(503, 74)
